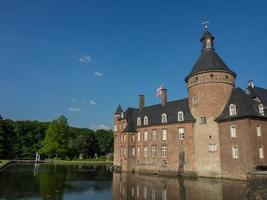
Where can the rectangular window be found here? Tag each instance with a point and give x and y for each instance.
(203, 120)
(121, 137)
(115, 128)
(124, 125)
(145, 136)
(212, 147)
(153, 151)
(181, 133)
(164, 134)
(154, 135)
(121, 151)
(133, 138)
(133, 151)
(233, 130)
(138, 151)
(138, 136)
(164, 151)
(124, 137)
(235, 152)
(261, 152)
(258, 130)
(145, 152)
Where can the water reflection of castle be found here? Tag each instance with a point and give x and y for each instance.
(136, 186)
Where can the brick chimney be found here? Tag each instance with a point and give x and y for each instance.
(141, 101)
(164, 97)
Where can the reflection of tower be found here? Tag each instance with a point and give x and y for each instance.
(36, 169)
(182, 188)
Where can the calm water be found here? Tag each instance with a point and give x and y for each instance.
(22, 181)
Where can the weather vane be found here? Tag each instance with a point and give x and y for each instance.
(205, 23)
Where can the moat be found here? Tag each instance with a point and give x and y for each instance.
(45, 181)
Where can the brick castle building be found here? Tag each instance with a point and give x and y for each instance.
(218, 131)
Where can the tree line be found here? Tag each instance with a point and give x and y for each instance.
(56, 139)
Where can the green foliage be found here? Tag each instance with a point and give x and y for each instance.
(22, 139)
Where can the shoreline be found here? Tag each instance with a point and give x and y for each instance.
(78, 162)
(4, 163)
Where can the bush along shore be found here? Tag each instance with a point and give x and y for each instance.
(3, 163)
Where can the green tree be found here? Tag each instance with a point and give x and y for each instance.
(104, 140)
(2, 133)
(56, 138)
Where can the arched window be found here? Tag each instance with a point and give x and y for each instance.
(138, 121)
(232, 109)
(164, 118)
(145, 120)
(261, 109)
(180, 116)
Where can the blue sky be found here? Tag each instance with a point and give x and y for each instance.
(82, 58)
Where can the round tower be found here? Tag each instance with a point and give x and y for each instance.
(210, 82)
(209, 85)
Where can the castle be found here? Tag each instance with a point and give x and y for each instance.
(218, 131)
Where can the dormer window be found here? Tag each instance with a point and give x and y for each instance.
(145, 120)
(261, 109)
(164, 118)
(232, 109)
(180, 116)
(138, 121)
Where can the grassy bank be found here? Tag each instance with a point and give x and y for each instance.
(78, 162)
(3, 163)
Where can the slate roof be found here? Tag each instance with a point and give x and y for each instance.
(209, 61)
(258, 92)
(154, 113)
(118, 111)
(245, 106)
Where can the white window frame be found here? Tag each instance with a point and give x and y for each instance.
(124, 137)
(138, 136)
(258, 130)
(164, 151)
(122, 115)
(164, 134)
(180, 116)
(139, 121)
(235, 152)
(154, 135)
(181, 133)
(233, 131)
(261, 109)
(133, 138)
(145, 152)
(115, 128)
(212, 147)
(145, 136)
(133, 151)
(194, 101)
(164, 118)
(232, 110)
(153, 151)
(261, 152)
(145, 120)
(202, 120)
(124, 152)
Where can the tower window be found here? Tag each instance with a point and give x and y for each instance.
(233, 130)
(203, 120)
(164, 118)
(145, 120)
(261, 152)
(194, 100)
(235, 152)
(258, 130)
(180, 116)
(261, 109)
(181, 133)
(232, 109)
(138, 121)
(212, 147)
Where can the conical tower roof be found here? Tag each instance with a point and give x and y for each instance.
(118, 111)
(209, 60)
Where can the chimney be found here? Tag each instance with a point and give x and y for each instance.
(141, 101)
(164, 97)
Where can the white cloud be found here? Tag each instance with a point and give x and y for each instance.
(73, 100)
(84, 58)
(98, 74)
(93, 103)
(100, 126)
(74, 109)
